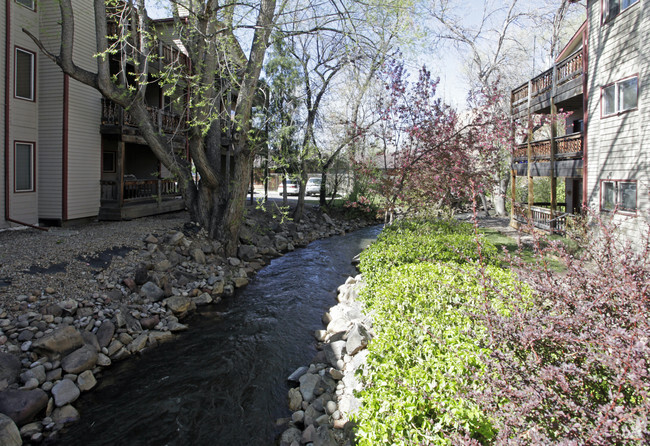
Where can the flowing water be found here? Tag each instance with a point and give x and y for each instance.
(223, 382)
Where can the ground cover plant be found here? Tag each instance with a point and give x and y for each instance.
(467, 351)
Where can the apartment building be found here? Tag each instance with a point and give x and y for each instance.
(600, 150)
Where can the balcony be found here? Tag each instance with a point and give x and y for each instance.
(138, 198)
(568, 87)
(116, 119)
(568, 157)
(540, 218)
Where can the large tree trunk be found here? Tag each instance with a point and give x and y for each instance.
(499, 196)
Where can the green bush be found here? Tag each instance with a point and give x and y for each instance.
(427, 345)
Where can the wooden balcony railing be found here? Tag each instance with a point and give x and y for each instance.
(139, 190)
(115, 115)
(568, 69)
(569, 146)
(165, 53)
(541, 218)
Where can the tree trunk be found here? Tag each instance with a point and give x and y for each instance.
(499, 196)
(302, 184)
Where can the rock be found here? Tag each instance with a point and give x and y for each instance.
(298, 416)
(80, 360)
(37, 373)
(65, 392)
(22, 405)
(152, 291)
(103, 360)
(138, 343)
(158, 337)
(163, 265)
(330, 407)
(86, 381)
(115, 346)
(281, 243)
(295, 376)
(65, 415)
(9, 433)
(198, 256)
(203, 299)
(324, 436)
(338, 325)
(308, 434)
(176, 238)
(289, 436)
(322, 420)
(30, 429)
(336, 374)
(90, 340)
(175, 327)
(247, 252)
(358, 338)
(308, 384)
(141, 275)
(295, 399)
(30, 384)
(234, 261)
(320, 335)
(150, 322)
(334, 352)
(180, 304)
(240, 281)
(69, 306)
(311, 414)
(130, 284)
(9, 368)
(60, 342)
(328, 219)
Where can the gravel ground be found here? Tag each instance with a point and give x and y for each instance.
(65, 258)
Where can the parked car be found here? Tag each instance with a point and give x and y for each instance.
(292, 188)
(313, 186)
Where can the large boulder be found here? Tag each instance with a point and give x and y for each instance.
(357, 340)
(9, 368)
(152, 291)
(9, 433)
(80, 360)
(61, 341)
(22, 405)
(309, 383)
(180, 305)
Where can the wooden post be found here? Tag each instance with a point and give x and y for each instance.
(120, 172)
(529, 152)
(553, 150)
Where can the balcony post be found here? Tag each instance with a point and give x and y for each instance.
(553, 150)
(120, 172)
(529, 151)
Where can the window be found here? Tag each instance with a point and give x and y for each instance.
(24, 79)
(108, 162)
(620, 96)
(618, 195)
(23, 167)
(612, 8)
(26, 3)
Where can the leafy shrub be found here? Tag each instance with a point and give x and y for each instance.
(573, 360)
(425, 241)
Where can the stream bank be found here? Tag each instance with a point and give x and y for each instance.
(59, 331)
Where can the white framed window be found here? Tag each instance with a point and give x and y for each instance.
(620, 96)
(23, 167)
(27, 4)
(612, 8)
(24, 74)
(618, 195)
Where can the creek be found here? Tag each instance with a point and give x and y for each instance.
(223, 382)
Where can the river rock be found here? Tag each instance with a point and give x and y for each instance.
(9, 433)
(357, 340)
(148, 323)
(308, 385)
(289, 436)
(30, 429)
(247, 252)
(79, 360)
(334, 352)
(311, 414)
(105, 333)
(180, 305)
(90, 340)
(138, 343)
(295, 399)
(308, 434)
(60, 342)
(65, 415)
(22, 405)
(324, 437)
(203, 299)
(9, 368)
(295, 376)
(152, 291)
(240, 281)
(69, 306)
(103, 360)
(37, 373)
(86, 381)
(65, 392)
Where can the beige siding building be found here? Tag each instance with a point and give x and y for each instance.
(69, 155)
(601, 152)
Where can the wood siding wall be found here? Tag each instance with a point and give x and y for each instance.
(23, 116)
(84, 146)
(618, 145)
(3, 62)
(50, 112)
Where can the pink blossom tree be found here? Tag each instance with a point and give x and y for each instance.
(431, 155)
